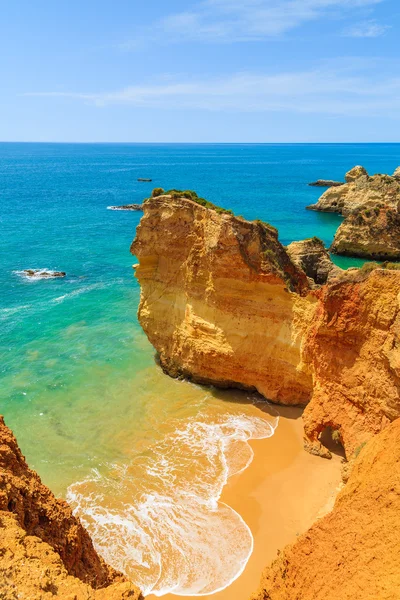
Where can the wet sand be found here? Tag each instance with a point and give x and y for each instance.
(279, 495)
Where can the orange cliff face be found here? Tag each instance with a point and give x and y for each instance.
(354, 551)
(218, 301)
(44, 550)
(223, 303)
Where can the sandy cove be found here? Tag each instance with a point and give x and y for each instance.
(280, 495)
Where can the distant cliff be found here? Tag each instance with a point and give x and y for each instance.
(44, 550)
(224, 303)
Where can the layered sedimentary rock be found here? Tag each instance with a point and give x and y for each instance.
(224, 303)
(217, 302)
(369, 233)
(312, 257)
(360, 191)
(40, 535)
(352, 348)
(354, 551)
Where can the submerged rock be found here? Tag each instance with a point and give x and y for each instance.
(42, 273)
(360, 191)
(312, 256)
(126, 207)
(325, 183)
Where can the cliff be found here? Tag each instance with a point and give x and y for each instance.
(360, 191)
(217, 299)
(352, 349)
(354, 551)
(370, 233)
(312, 257)
(224, 303)
(43, 547)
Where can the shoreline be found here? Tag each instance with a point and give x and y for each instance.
(279, 495)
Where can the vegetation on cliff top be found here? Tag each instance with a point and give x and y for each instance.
(191, 195)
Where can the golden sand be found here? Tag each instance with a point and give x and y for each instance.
(279, 495)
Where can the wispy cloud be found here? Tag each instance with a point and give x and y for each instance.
(323, 90)
(248, 20)
(366, 29)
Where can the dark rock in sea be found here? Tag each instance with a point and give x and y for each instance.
(142, 179)
(42, 273)
(326, 183)
(126, 207)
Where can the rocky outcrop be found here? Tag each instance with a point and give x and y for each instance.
(325, 183)
(34, 524)
(369, 233)
(217, 299)
(359, 192)
(355, 173)
(42, 274)
(135, 207)
(31, 569)
(352, 348)
(312, 257)
(224, 303)
(396, 173)
(354, 551)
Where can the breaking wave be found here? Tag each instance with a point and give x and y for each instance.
(160, 520)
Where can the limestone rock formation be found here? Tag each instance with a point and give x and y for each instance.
(369, 233)
(224, 303)
(312, 257)
(217, 299)
(352, 349)
(31, 569)
(354, 551)
(396, 173)
(360, 192)
(34, 524)
(355, 173)
(325, 183)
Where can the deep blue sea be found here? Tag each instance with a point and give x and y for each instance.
(92, 412)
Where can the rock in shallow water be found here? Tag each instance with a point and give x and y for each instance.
(42, 273)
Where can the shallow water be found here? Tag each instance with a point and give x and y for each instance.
(142, 457)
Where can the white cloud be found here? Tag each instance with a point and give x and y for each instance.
(246, 20)
(366, 29)
(324, 90)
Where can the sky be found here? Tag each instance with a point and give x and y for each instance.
(200, 70)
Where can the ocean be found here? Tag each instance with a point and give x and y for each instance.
(142, 458)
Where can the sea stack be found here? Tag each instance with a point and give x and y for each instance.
(224, 303)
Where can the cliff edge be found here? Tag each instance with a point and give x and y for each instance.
(44, 549)
(223, 302)
(354, 551)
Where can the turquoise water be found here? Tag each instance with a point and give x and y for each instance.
(78, 381)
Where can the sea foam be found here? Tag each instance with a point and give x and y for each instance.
(160, 520)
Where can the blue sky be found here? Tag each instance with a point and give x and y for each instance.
(200, 71)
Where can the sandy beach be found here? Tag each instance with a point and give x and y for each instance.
(279, 495)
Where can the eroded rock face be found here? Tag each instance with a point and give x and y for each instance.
(352, 348)
(354, 551)
(40, 521)
(369, 233)
(218, 302)
(312, 257)
(31, 569)
(223, 303)
(355, 173)
(360, 192)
